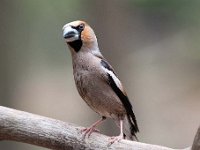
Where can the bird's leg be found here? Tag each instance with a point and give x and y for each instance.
(120, 136)
(88, 131)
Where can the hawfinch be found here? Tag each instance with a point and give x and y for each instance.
(97, 82)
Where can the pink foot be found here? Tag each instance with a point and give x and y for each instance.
(115, 139)
(88, 131)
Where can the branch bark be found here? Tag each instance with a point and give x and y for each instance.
(25, 127)
(196, 143)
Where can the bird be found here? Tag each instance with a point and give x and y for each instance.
(97, 83)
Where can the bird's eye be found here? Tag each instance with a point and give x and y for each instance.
(81, 26)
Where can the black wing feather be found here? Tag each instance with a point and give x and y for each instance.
(106, 65)
(124, 99)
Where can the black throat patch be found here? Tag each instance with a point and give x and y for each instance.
(76, 45)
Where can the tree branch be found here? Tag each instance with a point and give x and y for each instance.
(196, 143)
(25, 127)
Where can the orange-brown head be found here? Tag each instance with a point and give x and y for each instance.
(79, 34)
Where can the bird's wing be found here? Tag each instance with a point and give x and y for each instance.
(111, 75)
(117, 87)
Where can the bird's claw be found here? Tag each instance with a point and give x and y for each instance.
(115, 139)
(88, 131)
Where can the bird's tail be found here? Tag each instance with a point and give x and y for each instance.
(130, 127)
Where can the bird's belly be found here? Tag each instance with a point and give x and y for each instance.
(99, 96)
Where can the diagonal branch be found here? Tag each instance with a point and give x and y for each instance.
(196, 143)
(25, 127)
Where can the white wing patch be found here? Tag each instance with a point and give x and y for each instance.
(116, 80)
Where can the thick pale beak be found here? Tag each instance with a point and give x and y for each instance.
(70, 34)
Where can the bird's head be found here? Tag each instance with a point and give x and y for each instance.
(79, 34)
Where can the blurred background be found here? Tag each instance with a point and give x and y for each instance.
(154, 47)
